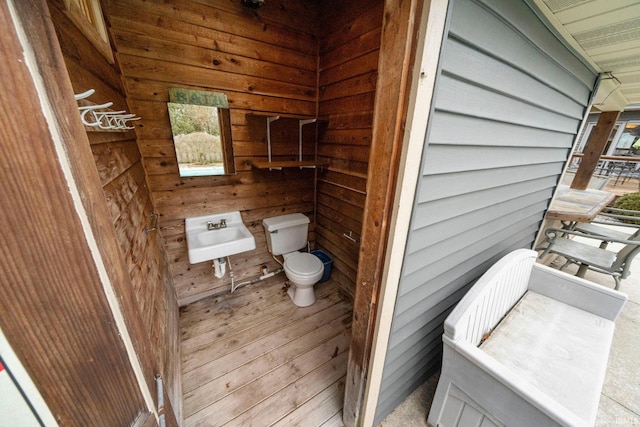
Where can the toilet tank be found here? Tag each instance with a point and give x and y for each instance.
(286, 233)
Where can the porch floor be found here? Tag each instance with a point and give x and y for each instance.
(253, 358)
(631, 185)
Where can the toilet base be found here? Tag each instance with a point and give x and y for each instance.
(301, 297)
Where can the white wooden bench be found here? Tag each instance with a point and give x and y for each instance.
(526, 346)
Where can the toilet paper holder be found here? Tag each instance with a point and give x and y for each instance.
(349, 236)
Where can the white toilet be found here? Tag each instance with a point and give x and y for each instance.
(286, 235)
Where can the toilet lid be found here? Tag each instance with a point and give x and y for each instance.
(304, 263)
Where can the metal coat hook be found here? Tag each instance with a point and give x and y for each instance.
(84, 95)
(116, 119)
(92, 109)
(121, 120)
(107, 120)
(128, 119)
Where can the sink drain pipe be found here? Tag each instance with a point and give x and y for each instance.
(219, 267)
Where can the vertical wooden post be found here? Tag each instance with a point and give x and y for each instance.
(595, 148)
(395, 66)
(59, 251)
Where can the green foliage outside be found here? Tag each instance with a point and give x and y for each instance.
(629, 202)
(186, 119)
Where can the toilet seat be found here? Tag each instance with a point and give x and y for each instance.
(303, 264)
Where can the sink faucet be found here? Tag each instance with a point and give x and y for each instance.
(212, 226)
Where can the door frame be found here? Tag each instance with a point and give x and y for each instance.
(411, 38)
(61, 313)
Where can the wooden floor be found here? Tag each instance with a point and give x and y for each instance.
(252, 358)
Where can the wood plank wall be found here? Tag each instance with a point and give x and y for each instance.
(118, 162)
(53, 308)
(266, 62)
(349, 46)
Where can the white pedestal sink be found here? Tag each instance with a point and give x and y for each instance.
(216, 236)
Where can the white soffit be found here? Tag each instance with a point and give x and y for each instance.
(607, 34)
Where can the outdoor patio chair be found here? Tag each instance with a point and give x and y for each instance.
(612, 216)
(626, 172)
(602, 260)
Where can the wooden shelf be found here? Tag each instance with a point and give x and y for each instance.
(270, 164)
(285, 164)
(282, 116)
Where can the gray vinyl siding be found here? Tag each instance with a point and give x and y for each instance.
(509, 101)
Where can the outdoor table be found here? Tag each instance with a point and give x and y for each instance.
(570, 206)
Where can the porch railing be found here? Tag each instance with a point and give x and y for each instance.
(620, 167)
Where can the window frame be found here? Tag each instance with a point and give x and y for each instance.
(88, 18)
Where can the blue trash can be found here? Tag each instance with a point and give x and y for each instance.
(327, 261)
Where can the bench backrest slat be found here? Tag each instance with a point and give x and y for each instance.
(491, 297)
